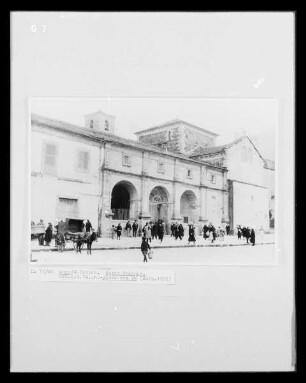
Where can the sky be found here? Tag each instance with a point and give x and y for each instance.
(221, 71)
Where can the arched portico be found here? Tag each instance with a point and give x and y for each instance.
(188, 207)
(124, 201)
(159, 204)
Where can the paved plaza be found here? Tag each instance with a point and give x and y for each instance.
(127, 250)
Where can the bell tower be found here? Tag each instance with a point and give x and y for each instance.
(100, 121)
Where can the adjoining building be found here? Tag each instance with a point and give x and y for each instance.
(91, 173)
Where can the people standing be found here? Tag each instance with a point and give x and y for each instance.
(155, 230)
(205, 231)
(88, 227)
(222, 234)
(172, 229)
(160, 231)
(145, 247)
(239, 232)
(191, 234)
(212, 233)
(252, 237)
(119, 230)
(181, 231)
(48, 234)
(148, 234)
(247, 234)
(128, 228)
(135, 227)
(113, 231)
(227, 227)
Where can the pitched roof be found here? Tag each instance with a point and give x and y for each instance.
(218, 149)
(99, 136)
(174, 122)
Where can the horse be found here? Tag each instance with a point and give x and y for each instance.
(92, 237)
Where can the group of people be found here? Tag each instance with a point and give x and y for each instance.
(51, 232)
(151, 230)
(131, 229)
(247, 233)
(177, 230)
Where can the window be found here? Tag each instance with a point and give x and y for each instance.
(185, 219)
(244, 156)
(106, 125)
(212, 178)
(67, 208)
(189, 173)
(91, 124)
(83, 160)
(169, 135)
(126, 160)
(160, 167)
(50, 158)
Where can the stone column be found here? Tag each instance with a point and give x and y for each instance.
(106, 213)
(225, 200)
(176, 214)
(144, 214)
(203, 197)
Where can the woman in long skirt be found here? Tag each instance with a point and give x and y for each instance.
(191, 234)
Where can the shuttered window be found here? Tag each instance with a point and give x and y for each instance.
(50, 154)
(126, 160)
(83, 160)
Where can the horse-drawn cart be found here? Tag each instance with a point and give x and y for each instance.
(72, 230)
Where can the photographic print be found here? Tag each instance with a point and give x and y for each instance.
(152, 191)
(118, 180)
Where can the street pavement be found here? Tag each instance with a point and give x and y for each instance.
(127, 251)
(168, 242)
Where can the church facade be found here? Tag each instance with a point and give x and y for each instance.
(90, 173)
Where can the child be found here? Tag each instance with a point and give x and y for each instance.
(144, 248)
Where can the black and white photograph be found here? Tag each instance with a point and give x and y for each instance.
(152, 191)
(191, 194)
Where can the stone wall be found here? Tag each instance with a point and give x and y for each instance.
(164, 140)
(193, 140)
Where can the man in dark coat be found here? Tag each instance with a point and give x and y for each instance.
(88, 227)
(154, 230)
(135, 227)
(247, 234)
(205, 230)
(145, 247)
(119, 230)
(252, 237)
(160, 231)
(227, 229)
(48, 234)
(128, 228)
(180, 231)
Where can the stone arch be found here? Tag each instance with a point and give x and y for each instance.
(124, 201)
(188, 207)
(159, 203)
